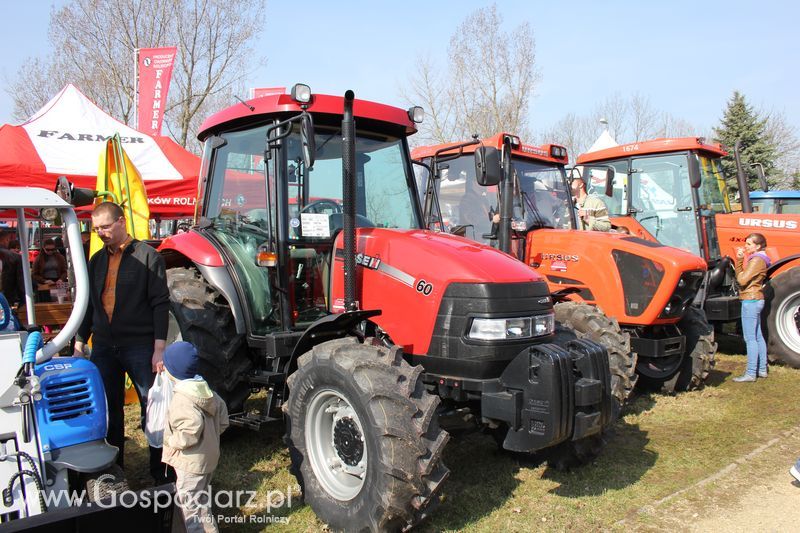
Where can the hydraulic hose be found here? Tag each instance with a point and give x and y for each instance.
(32, 345)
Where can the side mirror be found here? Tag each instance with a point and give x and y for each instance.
(73, 195)
(307, 140)
(762, 179)
(610, 175)
(488, 169)
(694, 171)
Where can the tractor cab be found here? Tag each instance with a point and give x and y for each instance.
(274, 196)
(541, 192)
(666, 190)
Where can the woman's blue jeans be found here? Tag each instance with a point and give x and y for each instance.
(751, 328)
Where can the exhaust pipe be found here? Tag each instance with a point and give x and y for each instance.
(741, 179)
(349, 198)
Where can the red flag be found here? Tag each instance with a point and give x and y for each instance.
(155, 72)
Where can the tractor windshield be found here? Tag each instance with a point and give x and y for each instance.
(661, 200)
(541, 198)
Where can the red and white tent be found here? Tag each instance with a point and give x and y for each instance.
(66, 137)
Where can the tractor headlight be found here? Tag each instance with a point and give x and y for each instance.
(492, 329)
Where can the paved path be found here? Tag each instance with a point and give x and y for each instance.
(756, 493)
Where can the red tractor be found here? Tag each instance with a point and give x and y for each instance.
(309, 274)
(637, 296)
(673, 191)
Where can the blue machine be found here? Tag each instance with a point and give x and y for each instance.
(73, 405)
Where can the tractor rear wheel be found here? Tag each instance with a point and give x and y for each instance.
(200, 314)
(589, 322)
(364, 437)
(699, 354)
(782, 314)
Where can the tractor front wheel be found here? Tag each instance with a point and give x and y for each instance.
(364, 437)
(783, 318)
(699, 355)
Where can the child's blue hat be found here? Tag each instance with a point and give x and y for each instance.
(180, 358)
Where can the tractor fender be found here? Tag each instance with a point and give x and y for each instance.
(782, 265)
(327, 328)
(193, 249)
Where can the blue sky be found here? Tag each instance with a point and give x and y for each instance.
(686, 57)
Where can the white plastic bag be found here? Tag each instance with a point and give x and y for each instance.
(157, 405)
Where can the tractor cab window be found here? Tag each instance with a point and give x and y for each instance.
(661, 197)
(543, 195)
(384, 195)
(597, 184)
(466, 207)
(713, 190)
(236, 207)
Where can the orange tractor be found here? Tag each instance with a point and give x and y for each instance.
(673, 191)
(630, 294)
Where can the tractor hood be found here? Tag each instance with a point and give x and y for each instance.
(405, 274)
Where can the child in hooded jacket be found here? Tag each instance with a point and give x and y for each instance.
(196, 418)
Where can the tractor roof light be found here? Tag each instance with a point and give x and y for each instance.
(301, 93)
(416, 114)
(558, 152)
(513, 140)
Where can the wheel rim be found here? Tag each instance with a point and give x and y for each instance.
(786, 321)
(335, 442)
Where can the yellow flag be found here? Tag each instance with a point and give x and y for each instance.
(118, 175)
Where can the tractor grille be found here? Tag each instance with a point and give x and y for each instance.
(68, 399)
(640, 279)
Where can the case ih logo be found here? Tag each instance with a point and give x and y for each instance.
(767, 223)
(66, 136)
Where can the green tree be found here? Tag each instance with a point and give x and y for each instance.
(741, 122)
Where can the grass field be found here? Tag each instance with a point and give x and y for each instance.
(662, 444)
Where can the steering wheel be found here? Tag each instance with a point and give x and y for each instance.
(325, 204)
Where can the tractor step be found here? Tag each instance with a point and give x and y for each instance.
(251, 420)
(265, 377)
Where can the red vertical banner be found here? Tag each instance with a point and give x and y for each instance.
(155, 73)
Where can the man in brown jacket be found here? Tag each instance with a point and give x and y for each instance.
(196, 417)
(751, 271)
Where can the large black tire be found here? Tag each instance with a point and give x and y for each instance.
(782, 317)
(589, 322)
(699, 353)
(364, 437)
(200, 314)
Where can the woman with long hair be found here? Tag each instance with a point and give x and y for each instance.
(751, 271)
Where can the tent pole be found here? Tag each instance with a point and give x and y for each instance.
(136, 89)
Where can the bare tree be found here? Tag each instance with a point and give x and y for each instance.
(614, 109)
(670, 126)
(436, 97)
(784, 136)
(93, 44)
(643, 117)
(573, 132)
(490, 78)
